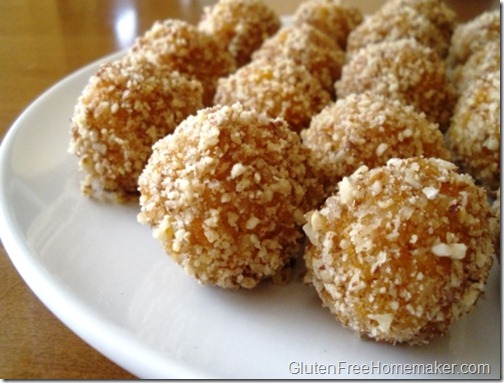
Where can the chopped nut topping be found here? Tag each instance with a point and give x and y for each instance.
(404, 70)
(384, 321)
(403, 250)
(112, 126)
(247, 180)
(453, 250)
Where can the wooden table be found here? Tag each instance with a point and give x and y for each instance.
(41, 41)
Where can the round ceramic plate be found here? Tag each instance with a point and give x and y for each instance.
(108, 279)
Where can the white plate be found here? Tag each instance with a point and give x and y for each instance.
(107, 279)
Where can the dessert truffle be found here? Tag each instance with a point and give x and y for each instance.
(126, 107)
(405, 70)
(240, 26)
(226, 193)
(279, 88)
(438, 13)
(474, 132)
(333, 17)
(179, 46)
(482, 62)
(396, 24)
(473, 35)
(369, 129)
(401, 251)
(309, 47)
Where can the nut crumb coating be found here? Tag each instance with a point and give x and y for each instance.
(474, 133)
(392, 25)
(179, 46)
(280, 88)
(401, 251)
(226, 194)
(438, 13)
(307, 46)
(240, 26)
(481, 63)
(405, 70)
(333, 17)
(472, 36)
(369, 129)
(126, 107)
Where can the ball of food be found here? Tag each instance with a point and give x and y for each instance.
(309, 47)
(333, 17)
(438, 13)
(279, 88)
(240, 26)
(226, 193)
(482, 62)
(396, 24)
(472, 35)
(405, 70)
(179, 46)
(474, 133)
(126, 107)
(401, 251)
(369, 129)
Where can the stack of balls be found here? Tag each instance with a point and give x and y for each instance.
(249, 143)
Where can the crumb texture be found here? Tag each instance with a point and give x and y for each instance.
(333, 17)
(176, 45)
(402, 262)
(396, 24)
(240, 26)
(226, 194)
(405, 70)
(472, 36)
(369, 129)
(279, 88)
(307, 46)
(124, 109)
(474, 133)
